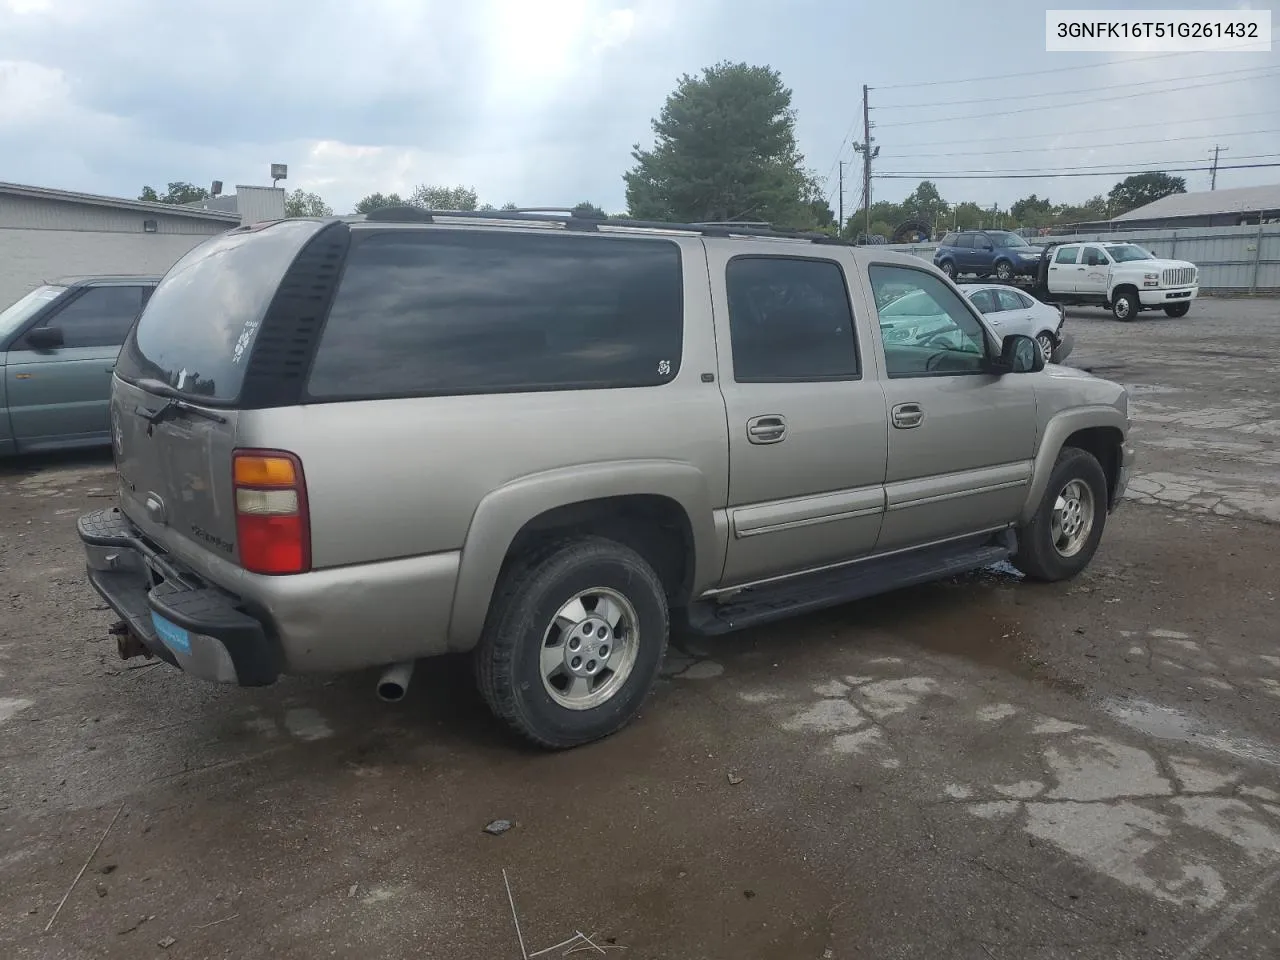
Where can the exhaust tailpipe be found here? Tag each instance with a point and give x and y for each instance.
(394, 682)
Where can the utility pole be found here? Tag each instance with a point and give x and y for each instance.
(1213, 173)
(840, 203)
(868, 152)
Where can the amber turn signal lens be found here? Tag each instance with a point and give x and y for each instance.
(255, 471)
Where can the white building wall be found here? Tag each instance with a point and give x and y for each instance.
(44, 239)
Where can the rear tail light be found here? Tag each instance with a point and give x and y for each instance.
(273, 526)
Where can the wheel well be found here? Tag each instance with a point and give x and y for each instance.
(656, 527)
(1105, 444)
(1125, 288)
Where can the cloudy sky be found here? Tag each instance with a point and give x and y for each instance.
(539, 101)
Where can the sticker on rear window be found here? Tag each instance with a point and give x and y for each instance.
(245, 338)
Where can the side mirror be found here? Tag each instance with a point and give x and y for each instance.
(1019, 354)
(45, 338)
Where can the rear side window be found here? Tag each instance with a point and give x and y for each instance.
(199, 326)
(949, 240)
(965, 240)
(423, 313)
(1066, 255)
(789, 320)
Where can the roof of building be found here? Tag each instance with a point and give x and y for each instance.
(118, 203)
(1209, 202)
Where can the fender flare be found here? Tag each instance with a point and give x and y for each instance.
(1056, 432)
(504, 512)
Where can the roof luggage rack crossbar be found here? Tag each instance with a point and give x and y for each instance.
(577, 221)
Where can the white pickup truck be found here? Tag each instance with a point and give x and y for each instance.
(1123, 277)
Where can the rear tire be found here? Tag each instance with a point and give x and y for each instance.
(1177, 310)
(1064, 533)
(1125, 306)
(522, 662)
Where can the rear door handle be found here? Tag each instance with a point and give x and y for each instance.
(908, 415)
(769, 428)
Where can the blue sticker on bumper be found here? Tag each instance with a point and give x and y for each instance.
(174, 637)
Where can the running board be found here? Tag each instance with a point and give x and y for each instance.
(756, 605)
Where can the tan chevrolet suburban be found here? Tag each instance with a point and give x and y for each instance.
(549, 440)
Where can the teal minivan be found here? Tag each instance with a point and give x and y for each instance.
(58, 346)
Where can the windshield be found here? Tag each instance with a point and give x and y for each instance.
(1006, 240)
(19, 313)
(1125, 252)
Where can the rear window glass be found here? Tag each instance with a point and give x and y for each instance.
(198, 328)
(421, 313)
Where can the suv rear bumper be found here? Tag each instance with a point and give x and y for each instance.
(175, 614)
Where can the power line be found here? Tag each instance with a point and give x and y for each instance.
(1069, 93)
(1181, 122)
(1055, 171)
(1226, 48)
(1087, 146)
(1123, 96)
(1050, 176)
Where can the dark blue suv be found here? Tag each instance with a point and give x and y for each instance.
(987, 252)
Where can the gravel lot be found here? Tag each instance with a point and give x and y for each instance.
(976, 769)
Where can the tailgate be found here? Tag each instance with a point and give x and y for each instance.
(174, 464)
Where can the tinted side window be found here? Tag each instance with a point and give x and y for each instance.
(422, 313)
(1097, 254)
(99, 317)
(1066, 255)
(985, 301)
(965, 240)
(941, 338)
(789, 320)
(1025, 302)
(949, 240)
(1009, 300)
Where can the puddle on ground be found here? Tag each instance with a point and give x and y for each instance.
(1166, 723)
(959, 618)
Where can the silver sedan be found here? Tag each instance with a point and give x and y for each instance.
(1010, 310)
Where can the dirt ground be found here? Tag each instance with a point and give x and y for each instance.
(975, 769)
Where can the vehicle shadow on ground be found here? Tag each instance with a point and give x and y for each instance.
(29, 465)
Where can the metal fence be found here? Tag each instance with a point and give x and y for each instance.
(1231, 259)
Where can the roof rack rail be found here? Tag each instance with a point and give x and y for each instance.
(574, 221)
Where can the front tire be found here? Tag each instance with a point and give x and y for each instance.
(1064, 533)
(1177, 310)
(948, 268)
(1004, 271)
(573, 642)
(1044, 340)
(1125, 306)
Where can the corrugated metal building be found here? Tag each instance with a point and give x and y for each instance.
(1237, 207)
(45, 233)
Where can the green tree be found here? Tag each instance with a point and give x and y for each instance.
(725, 149)
(510, 205)
(590, 211)
(1143, 188)
(433, 197)
(179, 192)
(1032, 211)
(925, 203)
(1095, 208)
(968, 216)
(376, 201)
(303, 204)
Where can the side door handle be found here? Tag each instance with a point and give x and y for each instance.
(908, 415)
(769, 428)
